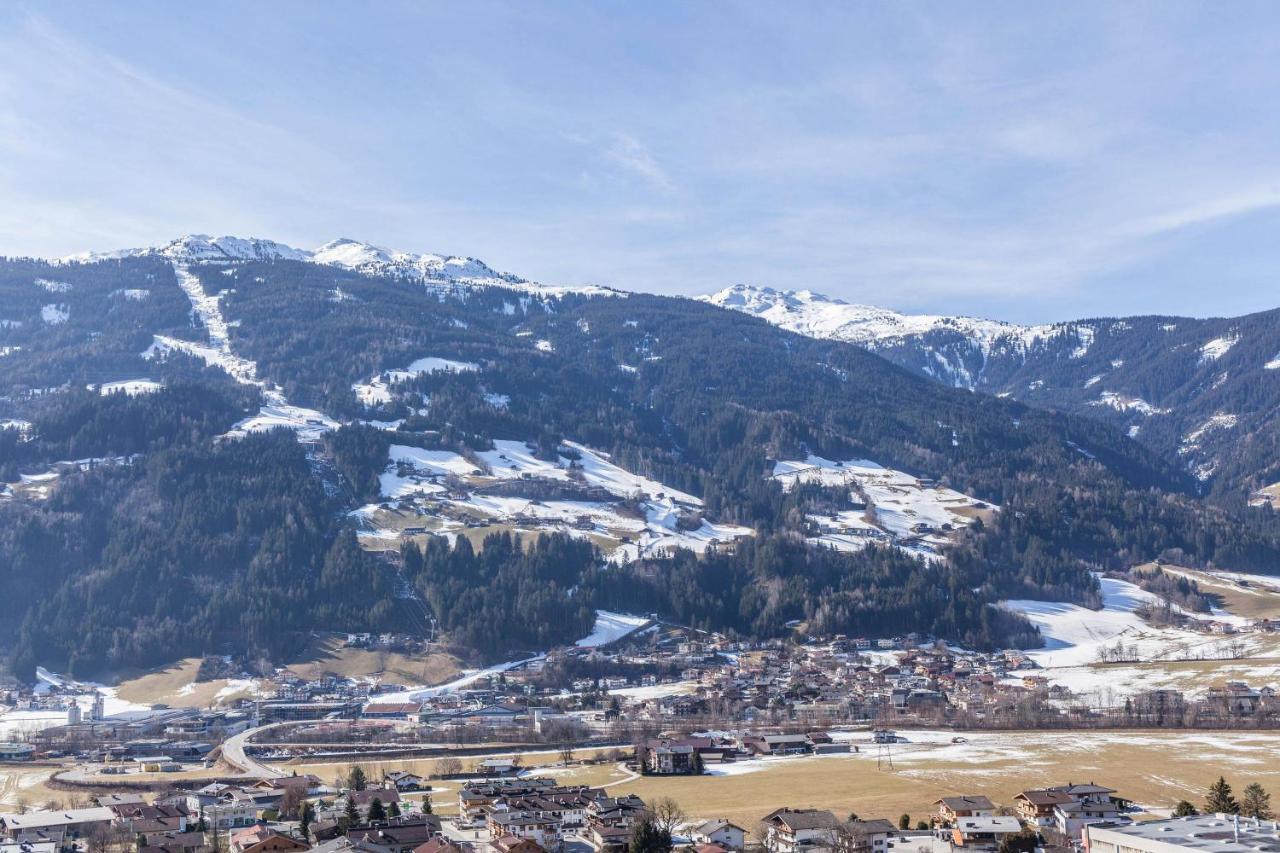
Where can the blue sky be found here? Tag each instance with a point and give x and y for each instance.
(1028, 161)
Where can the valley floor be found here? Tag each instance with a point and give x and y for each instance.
(1155, 769)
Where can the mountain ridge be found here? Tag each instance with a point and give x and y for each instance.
(1197, 390)
(355, 255)
(251, 483)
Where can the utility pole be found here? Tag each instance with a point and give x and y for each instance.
(884, 754)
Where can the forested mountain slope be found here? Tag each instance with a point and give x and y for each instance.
(1202, 394)
(167, 518)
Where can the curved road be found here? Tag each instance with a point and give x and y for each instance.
(233, 753)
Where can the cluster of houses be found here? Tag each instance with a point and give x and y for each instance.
(1049, 818)
(667, 677)
(689, 756)
(677, 674)
(674, 676)
(522, 814)
(219, 817)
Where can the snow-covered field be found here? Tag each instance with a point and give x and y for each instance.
(1123, 403)
(377, 390)
(899, 506)
(22, 722)
(37, 486)
(1219, 421)
(626, 514)
(130, 387)
(307, 423)
(1271, 582)
(611, 627)
(1218, 347)
(1075, 636)
(931, 747)
(55, 315)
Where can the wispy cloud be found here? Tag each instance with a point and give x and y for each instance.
(630, 154)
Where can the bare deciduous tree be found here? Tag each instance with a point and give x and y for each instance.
(667, 814)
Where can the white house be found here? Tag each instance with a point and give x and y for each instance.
(719, 831)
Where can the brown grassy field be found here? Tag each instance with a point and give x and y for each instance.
(1155, 769)
(175, 685)
(444, 793)
(1252, 601)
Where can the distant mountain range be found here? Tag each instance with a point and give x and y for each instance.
(1201, 392)
(219, 445)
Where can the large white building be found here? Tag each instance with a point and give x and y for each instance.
(1216, 833)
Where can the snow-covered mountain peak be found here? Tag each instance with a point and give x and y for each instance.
(368, 258)
(344, 252)
(956, 347)
(201, 247)
(814, 314)
(756, 300)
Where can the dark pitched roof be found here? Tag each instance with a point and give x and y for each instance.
(803, 818)
(967, 802)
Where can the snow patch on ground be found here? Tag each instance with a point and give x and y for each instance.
(611, 627)
(900, 507)
(218, 352)
(626, 514)
(308, 424)
(130, 387)
(415, 694)
(1221, 420)
(1074, 636)
(1123, 403)
(377, 390)
(55, 315)
(1218, 347)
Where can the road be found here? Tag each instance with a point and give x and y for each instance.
(233, 753)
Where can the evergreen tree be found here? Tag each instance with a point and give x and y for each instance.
(426, 804)
(350, 817)
(1185, 809)
(393, 809)
(648, 837)
(305, 817)
(904, 822)
(1220, 799)
(698, 768)
(1255, 802)
(356, 779)
(376, 810)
